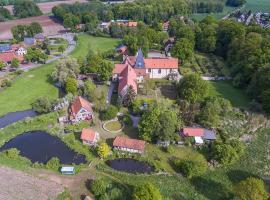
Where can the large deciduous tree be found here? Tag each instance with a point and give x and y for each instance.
(183, 50)
(146, 191)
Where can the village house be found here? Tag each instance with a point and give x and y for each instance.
(199, 134)
(89, 137)
(39, 37)
(5, 48)
(129, 145)
(165, 26)
(121, 49)
(7, 57)
(29, 41)
(134, 69)
(81, 110)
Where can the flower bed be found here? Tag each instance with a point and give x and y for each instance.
(113, 126)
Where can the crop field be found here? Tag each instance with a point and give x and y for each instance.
(46, 7)
(49, 24)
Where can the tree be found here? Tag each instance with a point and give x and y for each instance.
(235, 3)
(183, 50)
(15, 63)
(61, 48)
(109, 113)
(129, 97)
(53, 163)
(166, 126)
(193, 88)
(99, 187)
(251, 189)
(105, 70)
(36, 28)
(26, 8)
(71, 86)
(206, 38)
(147, 124)
(67, 67)
(89, 90)
(42, 105)
(191, 167)
(103, 150)
(146, 191)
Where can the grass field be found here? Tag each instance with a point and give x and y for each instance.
(200, 16)
(35, 83)
(224, 89)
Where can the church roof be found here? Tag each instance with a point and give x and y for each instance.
(139, 63)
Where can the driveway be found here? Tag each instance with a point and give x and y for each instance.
(110, 92)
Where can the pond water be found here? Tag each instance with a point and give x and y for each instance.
(130, 165)
(15, 116)
(39, 146)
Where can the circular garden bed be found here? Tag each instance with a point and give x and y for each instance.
(113, 126)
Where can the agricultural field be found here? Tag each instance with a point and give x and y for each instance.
(49, 24)
(36, 83)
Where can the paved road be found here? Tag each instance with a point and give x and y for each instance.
(71, 45)
(110, 92)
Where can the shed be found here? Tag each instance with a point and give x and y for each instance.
(67, 170)
(209, 134)
(198, 140)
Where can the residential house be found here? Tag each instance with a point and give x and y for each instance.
(127, 23)
(165, 26)
(129, 145)
(104, 25)
(39, 37)
(90, 137)
(21, 51)
(200, 134)
(134, 69)
(81, 110)
(29, 41)
(7, 57)
(121, 49)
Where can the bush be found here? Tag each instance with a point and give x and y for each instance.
(109, 113)
(43, 105)
(6, 83)
(127, 120)
(53, 163)
(12, 153)
(103, 150)
(191, 168)
(99, 187)
(170, 149)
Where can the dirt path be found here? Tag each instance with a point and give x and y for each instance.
(19, 185)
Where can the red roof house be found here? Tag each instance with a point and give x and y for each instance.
(7, 57)
(81, 109)
(130, 145)
(193, 132)
(127, 78)
(132, 24)
(89, 137)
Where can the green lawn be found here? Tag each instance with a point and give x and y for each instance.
(224, 89)
(35, 83)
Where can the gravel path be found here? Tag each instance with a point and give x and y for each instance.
(18, 185)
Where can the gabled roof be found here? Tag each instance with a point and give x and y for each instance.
(39, 36)
(80, 103)
(209, 134)
(9, 56)
(161, 63)
(128, 77)
(129, 143)
(88, 134)
(192, 132)
(118, 68)
(132, 24)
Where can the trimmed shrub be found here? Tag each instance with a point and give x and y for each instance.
(109, 113)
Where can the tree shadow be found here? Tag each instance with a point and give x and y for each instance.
(236, 176)
(168, 91)
(130, 131)
(211, 189)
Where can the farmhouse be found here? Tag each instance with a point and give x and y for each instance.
(134, 69)
(7, 57)
(130, 145)
(81, 110)
(200, 134)
(89, 137)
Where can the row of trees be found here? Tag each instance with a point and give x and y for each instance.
(19, 32)
(4, 14)
(26, 8)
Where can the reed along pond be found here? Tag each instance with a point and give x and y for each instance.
(40, 146)
(130, 165)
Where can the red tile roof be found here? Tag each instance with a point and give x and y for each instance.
(140, 72)
(161, 63)
(9, 56)
(88, 134)
(192, 132)
(118, 68)
(128, 77)
(132, 24)
(129, 143)
(80, 103)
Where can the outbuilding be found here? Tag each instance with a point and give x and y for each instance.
(68, 170)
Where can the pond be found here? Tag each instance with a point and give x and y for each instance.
(130, 165)
(39, 146)
(15, 116)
